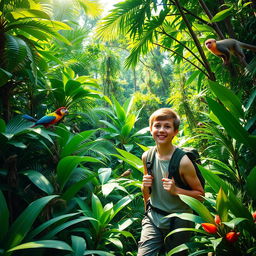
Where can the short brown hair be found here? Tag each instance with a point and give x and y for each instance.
(164, 114)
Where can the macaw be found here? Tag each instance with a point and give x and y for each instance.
(49, 119)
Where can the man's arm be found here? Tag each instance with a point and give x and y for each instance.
(146, 182)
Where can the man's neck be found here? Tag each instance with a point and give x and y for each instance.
(165, 151)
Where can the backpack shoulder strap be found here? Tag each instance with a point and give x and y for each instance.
(151, 154)
(174, 165)
(175, 161)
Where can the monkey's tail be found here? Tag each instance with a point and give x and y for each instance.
(248, 46)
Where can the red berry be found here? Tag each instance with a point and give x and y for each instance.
(254, 216)
(232, 236)
(210, 228)
(217, 219)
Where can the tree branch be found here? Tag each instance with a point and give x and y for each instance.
(194, 37)
(165, 33)
(194, 15)
(208, 13)
(166, 48)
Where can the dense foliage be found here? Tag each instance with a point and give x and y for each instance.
(74, 188)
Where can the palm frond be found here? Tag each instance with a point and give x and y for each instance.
(119, 20)
(144, 41)
(16, 53)
(91, 8)
(49, 27)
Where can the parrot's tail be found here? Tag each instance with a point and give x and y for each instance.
(29, 118)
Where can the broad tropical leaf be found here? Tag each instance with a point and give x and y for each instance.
(67, 164)
(24, 222)
(4, 216)
(43, 244)
(40, 181)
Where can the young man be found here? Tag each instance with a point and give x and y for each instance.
(163, 192)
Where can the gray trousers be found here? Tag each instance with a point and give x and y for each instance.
(153, 242)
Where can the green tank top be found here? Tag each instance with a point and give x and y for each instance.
(162, 199)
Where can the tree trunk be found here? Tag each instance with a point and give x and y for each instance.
(5, 92)
(134, 79)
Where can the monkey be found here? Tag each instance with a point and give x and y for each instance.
(224, 49)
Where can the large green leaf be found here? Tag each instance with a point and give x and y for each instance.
(111, 128)
(177, 249)
(250, 101)
(2, 125)
(16, 126)
(117, 242)
(109, 187)
(228, 98)
(98, 252)
(119, 111)
(188, 230)
(187, 216)
(4, 76)
(74, 188)
(222, 205)
(44, 133)
(230, 123)
(39, 180)
(128, 105)
(222, 14)
(129, 124)
(43, 244)
(49, 223)
(67, 164)
(65, 225)
(63, 135)
(224, 166)
(29, 13)
(198, 207)
(121, 204)
(24, 222)
(250, 184)
(130, 159)
(234, 204)
(49, 55)
(4, 216)
(192, 77)
(74, 142)
(107, 213)
(78, 245)
(234, 222)
(97, 208)
(104, 174)
(38, 34)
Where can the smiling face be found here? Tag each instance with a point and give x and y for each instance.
(163, 131)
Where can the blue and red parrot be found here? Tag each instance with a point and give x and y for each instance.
(49, 119)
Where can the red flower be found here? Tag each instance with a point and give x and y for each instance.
(232, 236)
(217, 219)
(210, 228)
(254, 216)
